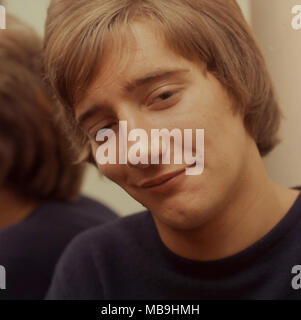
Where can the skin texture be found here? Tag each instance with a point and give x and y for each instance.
(204, 217)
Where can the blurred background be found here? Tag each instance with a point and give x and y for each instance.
(281, 46)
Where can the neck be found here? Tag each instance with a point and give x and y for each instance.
(13, 208)
(256, 207)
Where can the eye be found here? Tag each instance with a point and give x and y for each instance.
(109, 126)
(164, 96)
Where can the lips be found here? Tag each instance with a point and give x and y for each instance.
(161, 179)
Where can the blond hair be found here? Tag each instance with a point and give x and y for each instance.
(213, 33)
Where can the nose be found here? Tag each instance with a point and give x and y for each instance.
(140, 148)
(141, 154)
(139, 144)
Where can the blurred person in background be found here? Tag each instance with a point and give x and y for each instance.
(40, 206)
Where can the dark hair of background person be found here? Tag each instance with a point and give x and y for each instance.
(35, 153)
(37, 174)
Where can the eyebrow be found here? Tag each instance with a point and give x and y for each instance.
(152, 77)
(130, 86)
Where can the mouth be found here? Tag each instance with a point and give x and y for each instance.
(164, 182)
(162, 179)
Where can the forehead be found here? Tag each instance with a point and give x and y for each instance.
(142, 51)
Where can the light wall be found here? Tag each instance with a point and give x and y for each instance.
(31, 11)
(246, 8)
(281, 46)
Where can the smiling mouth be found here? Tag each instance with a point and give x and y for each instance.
(162, 179)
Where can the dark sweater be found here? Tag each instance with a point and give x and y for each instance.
(30, 249)
(127, 260)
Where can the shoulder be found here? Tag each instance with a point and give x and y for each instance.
(87, 257)
(83, 207)
(52, 225)
(106, 245)
(120, 232)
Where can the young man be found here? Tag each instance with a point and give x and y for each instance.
(40, 207)
(230, 232)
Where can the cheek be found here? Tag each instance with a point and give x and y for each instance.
(114, 172)
(226, 150)
(224, 135)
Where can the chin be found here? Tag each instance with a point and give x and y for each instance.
(176, 218)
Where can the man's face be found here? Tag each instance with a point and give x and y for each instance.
(182, 97)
